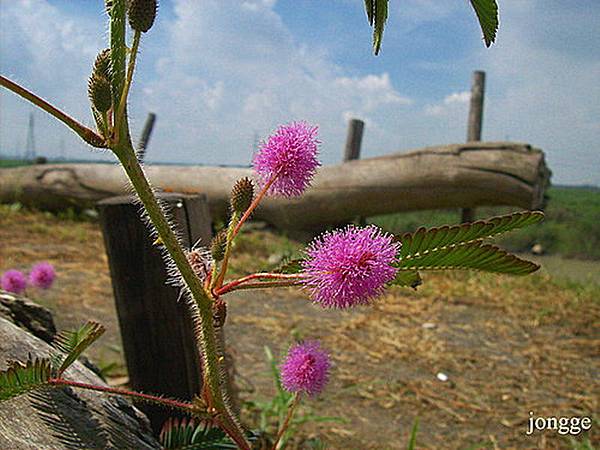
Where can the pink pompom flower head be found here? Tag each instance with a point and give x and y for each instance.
(42, 275)
(290, 156)
(349, 267)
(13, 281)
(305, 368)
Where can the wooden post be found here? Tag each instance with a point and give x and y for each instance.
(146, 133)
(160, 349)
(474, 124)
(354, 139)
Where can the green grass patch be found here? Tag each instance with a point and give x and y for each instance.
(8, 163)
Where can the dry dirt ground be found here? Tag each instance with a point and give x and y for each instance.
(507, 345)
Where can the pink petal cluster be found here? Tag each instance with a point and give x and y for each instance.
(13, 281)
(42, 275)
(305, 368)
(290, 154)
(349, 267)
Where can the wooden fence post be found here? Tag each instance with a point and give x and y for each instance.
(159, 346)
(474, 124)
(353, 139)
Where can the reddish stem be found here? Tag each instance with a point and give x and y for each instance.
(286, 423)
(167, 402)
(272, 276)
(257, 285)
(255, 203)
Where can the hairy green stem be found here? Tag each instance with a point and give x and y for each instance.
(87, 134)
(206, 337)
(118, 52)
(205, 332)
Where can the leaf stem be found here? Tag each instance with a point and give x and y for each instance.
(166, 402)
(242, 283)
(87, 134)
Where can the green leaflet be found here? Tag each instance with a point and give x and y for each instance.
(74, 343)
(434, 239)
(20, 378)
(487, 14)
(473, 255)
(462, 247)
(377, 14)
(486, 11)
(409, 278)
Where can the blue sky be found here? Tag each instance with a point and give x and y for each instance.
(220, 73)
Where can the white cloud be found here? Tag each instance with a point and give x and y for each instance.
(454, 103)
(263, 77)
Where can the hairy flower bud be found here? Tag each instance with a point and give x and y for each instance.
(217, 248)
(99, 92)
(102, 65)
(141, 14)
(242, 195)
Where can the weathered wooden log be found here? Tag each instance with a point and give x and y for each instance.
(450, 176)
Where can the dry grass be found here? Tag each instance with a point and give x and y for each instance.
(508, 345)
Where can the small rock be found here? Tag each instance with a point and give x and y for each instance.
(429, 325)
(442, 376)
(537, 249)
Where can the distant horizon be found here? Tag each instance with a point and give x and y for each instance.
(111, 160)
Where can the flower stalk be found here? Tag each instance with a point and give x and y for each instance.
(130, 68)
(278, 442)
(279, 280)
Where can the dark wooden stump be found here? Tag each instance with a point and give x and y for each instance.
(159, 346)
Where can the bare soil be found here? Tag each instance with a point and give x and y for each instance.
(507, 345)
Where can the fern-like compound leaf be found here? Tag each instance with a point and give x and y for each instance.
(426, 240)
(73, 343)
(487, 14)
(473, 255)
(190, 434)
(21, 378)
